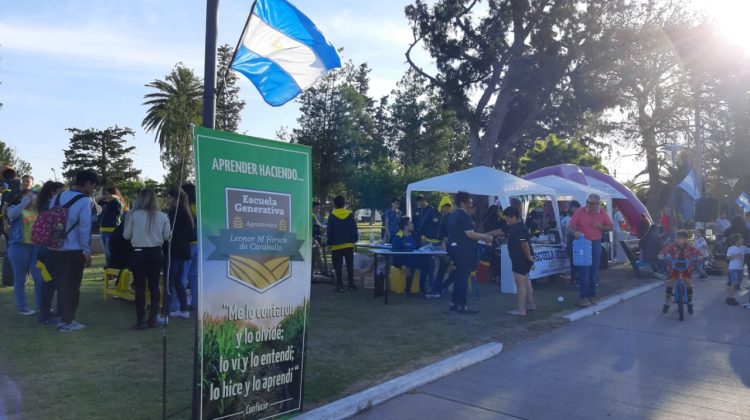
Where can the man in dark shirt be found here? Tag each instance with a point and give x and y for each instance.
(443, 262)
(462, 248)
(522, 259)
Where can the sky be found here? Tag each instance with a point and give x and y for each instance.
(84, 63)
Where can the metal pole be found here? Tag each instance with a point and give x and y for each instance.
(699, 146)
(209, 72)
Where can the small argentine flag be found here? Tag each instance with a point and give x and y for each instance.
(690, 185)
(282, 51)
(743, 201)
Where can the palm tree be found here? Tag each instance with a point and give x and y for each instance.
(175, 104)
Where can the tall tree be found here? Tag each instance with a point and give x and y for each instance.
(104, 151)
(526, 61)
(554, 151)
(9, 157)
(654, 91)
(228, 102)
(336, 122)
(174, 104)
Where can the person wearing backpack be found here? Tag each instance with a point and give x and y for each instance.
(113, 206)
(70, 249)
(147, 229)
(49, 286)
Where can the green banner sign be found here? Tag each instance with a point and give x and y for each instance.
(254, 206)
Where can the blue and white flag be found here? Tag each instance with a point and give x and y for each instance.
(691, 185)
(282, 52)
(743, 201)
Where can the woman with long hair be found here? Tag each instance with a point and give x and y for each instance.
(49, 285)
(22, 252)
(113, 207)
(178, 252)
(147, 229)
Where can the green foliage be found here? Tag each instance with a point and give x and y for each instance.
(554, 151)
(515, 69)
(228, 102)
(104, 151)
(336, 121)
(173, 105)
(9, 157)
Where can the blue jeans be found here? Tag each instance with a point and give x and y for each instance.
(105, 246)
(23, 260)
(191, 272)
(589, 276)
(176, 286)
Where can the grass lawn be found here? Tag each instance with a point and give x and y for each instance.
(354, 341)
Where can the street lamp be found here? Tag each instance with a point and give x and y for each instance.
(54, 173)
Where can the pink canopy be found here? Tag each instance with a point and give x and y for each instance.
(630, 206)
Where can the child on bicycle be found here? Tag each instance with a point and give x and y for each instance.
(680, 250)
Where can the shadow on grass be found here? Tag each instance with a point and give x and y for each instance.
(354, 342)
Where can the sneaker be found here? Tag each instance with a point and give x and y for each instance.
(703, 277)
(27, 312)
(690, 308)
(593, 301)
(352, 288)
(139, 326)
(70, 327)
(433, 296)
(584, 303)
(746, 306)
(180, 314)
(339, 290)
(665, 309)
(453, 307)
(77, 326)
(732, 302)
(515, 312)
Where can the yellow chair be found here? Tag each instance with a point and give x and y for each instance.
(398, 281)
(118, 282)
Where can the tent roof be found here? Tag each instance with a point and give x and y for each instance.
(604, 187)
(482, 180)
(567, 188)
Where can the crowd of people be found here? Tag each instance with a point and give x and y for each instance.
(143, 239)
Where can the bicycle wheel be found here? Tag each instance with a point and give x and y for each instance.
(681, 302)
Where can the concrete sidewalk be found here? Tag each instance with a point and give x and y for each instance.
(629, 362)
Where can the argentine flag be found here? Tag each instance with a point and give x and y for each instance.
(282, 51)
(743, 201)
(690, 185)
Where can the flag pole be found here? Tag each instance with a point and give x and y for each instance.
(209, 70)
(223, 81)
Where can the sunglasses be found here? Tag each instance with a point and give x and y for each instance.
(592, 204)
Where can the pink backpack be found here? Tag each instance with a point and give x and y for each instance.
(49, 228)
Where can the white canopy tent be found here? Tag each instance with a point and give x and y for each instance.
(569, 190)
(482, 180)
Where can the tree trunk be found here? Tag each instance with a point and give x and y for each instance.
(654, 197)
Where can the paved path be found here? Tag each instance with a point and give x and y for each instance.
(628, 362)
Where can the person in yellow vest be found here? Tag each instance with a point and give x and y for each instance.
(113, 206)
(342, 235)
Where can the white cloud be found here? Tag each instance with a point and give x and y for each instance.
(101, 44)
(347, 25)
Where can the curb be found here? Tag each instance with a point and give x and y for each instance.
(611, 301)
(354, 404)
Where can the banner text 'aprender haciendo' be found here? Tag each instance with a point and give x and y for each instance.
(253, 168)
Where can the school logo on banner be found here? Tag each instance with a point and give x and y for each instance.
(257, 243)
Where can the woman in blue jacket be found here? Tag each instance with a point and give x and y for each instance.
(403, 241)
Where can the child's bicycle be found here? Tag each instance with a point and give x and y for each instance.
(684, 270)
